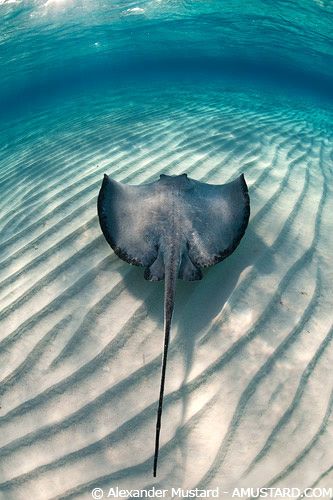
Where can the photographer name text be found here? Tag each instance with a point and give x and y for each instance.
(99, 493)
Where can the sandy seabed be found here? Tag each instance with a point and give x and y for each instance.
(249, 385)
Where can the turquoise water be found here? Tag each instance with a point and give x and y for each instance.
(136, 89)
(51, 46)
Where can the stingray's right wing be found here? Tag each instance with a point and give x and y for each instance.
(219, 217)
(126, 217)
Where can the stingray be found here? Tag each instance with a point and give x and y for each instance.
(173, 227)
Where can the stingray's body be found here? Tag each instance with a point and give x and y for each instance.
(173, 227)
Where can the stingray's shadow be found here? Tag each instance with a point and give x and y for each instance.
(197, 303)
(212, 293)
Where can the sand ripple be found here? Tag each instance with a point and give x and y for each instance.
(249, 386)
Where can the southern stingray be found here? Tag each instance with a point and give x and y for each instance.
(173, 227)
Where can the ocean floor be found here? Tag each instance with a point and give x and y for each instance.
(249, 396)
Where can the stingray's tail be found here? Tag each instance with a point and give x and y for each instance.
(171, 272)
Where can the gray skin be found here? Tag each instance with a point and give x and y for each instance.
(173, 227)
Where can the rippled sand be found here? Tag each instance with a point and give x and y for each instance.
(248, 393)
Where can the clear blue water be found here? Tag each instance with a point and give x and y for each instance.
(51, 47)
(212, 88)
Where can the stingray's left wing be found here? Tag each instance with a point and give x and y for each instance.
(126, 214)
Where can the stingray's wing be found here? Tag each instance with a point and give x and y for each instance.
(219, 216)
(126, 215)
